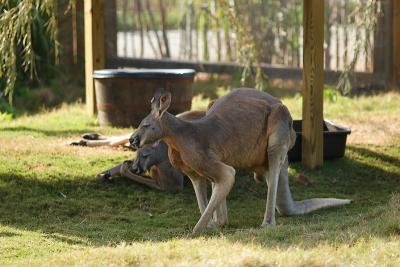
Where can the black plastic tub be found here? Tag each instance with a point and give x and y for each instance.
(335, 137)
(123, 95)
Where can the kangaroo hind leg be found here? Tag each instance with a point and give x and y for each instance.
(279, 142)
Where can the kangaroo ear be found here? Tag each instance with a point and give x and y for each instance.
(160, 102)
(165, 101)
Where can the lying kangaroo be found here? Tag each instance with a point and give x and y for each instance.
(154, 160)
(245, 129)
(151, 158)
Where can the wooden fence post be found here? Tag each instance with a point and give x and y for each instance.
(313, 79)
(396, 44)
(110, 29)
(383, 39)
(94, 47)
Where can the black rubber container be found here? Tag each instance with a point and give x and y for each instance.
(123, 95)
(335, 137)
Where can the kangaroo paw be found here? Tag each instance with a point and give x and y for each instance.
(78, 143)
(91, 136)
(267, 225)
(212, 225)
(126, 168)
(104, 177)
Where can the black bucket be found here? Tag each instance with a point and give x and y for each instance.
(335, 137)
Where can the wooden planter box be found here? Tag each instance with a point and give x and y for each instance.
(335, 137)
(123, 95)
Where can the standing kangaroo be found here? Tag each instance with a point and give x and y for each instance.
(245, 129)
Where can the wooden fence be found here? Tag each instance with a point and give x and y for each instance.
(132, 40)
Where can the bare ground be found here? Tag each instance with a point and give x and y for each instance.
(376, 129)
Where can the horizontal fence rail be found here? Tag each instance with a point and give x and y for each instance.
(272, 71)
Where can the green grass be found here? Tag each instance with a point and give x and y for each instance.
(53, 212)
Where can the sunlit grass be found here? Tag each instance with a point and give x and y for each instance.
(224, 252)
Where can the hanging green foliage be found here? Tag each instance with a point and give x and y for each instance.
(27, 33)
(246, 47)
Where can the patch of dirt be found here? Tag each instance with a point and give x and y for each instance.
(55, 146)
(374, 129)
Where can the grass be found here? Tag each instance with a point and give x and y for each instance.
(54, 213)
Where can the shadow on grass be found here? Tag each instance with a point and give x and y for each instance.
(66, 240)
(8, 234)
(79, 210)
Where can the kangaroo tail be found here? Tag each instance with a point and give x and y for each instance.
(284, 201)
(309, 205)
(287, 206)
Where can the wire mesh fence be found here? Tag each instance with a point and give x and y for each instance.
(198, 30)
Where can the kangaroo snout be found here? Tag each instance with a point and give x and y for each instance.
(134, 140)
